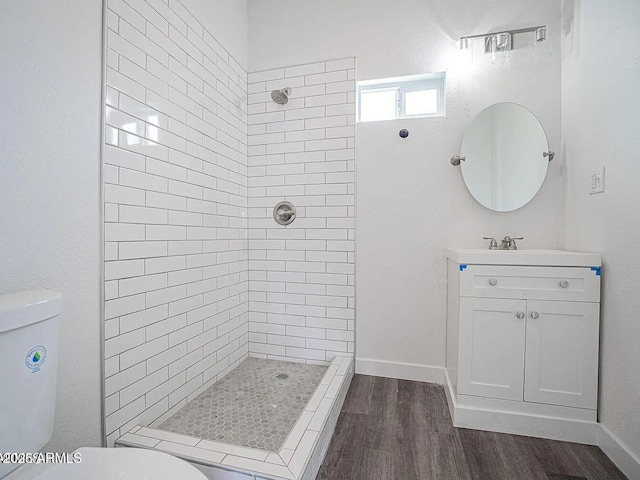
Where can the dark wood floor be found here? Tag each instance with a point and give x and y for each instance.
(400, 430)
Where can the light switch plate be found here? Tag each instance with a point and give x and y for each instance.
(597, 181)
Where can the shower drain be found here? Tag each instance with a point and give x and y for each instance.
(282, 376)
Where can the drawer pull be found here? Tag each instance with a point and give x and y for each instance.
(564, 283)
(493, 282)
(520, 315)
(535, 315)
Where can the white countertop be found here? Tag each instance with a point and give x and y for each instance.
(554, 258)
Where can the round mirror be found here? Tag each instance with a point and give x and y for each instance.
(504, 157)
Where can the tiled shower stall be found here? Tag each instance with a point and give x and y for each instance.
(198, 275)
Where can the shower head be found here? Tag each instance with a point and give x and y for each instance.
(281, 97)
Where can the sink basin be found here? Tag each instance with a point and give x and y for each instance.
(555, 258)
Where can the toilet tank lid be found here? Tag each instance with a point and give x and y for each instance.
(25, 308)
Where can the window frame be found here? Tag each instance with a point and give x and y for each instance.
(403, 85)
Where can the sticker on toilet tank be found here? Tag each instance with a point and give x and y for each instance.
(35, 358)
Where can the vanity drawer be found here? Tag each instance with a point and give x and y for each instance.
(577, 284)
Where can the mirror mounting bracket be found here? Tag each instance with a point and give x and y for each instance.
(456, 159)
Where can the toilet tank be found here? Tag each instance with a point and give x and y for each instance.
(28, 370)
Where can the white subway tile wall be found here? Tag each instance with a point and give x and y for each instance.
(176, 247)
(302, 276)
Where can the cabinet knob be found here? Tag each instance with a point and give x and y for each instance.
(535, 315)
(520, 315)
(564, 283)
(493, 282)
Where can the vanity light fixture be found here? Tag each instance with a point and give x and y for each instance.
(503, 41)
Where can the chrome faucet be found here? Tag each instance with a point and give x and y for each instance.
(508, 243)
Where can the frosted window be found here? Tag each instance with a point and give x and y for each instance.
(378, 105)
(421, 102)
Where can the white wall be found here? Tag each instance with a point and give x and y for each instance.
(175, 173)
(411, 203)
(227, 22)
(600, 123)
(50, 57)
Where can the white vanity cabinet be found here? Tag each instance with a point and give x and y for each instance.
(523, 341)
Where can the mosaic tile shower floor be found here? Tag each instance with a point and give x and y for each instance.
(251, 406)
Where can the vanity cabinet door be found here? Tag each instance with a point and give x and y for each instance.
(562, 353)
(492, 343)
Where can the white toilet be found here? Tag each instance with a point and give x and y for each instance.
(29, 324)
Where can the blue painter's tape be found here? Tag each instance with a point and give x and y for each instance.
(462, 267)
(597, 270)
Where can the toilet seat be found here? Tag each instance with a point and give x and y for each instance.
(113, 464)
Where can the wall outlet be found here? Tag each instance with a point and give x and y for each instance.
(597, 181)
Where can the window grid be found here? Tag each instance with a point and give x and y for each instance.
(402, 86)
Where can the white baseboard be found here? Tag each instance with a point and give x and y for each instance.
(619, 453)
(576, 431)
(401, 371)
(517, 423)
